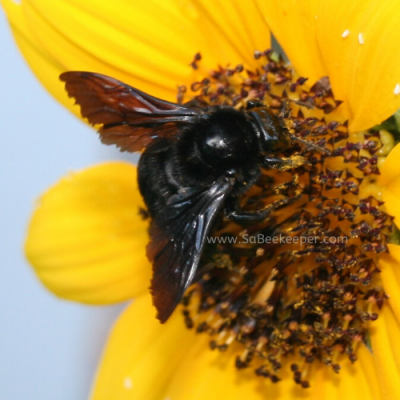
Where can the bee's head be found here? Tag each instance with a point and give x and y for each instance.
(273, 135)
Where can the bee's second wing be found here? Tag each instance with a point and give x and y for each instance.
(128, 117)
(177, 240)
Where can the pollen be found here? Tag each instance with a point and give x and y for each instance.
(345, 33)
(307, 289)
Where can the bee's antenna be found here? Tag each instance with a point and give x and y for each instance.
(310, 145)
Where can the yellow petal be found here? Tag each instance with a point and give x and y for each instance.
(141, 354)
(390, 168)
(46, 68)
(364, 67)
(386, 352)
(389, 180)
(212, 375)
(87, 240)
(293, 24)
(147, 44)
(390, 266)
(386, 330)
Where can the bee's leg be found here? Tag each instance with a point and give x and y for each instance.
(234, 212)
(274, 162)
(242, 217)
(282, 164)
(254, 104)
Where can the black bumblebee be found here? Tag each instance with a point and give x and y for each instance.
(197, 161)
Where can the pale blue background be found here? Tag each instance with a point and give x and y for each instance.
(48, 348)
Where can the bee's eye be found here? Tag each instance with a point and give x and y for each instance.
(276, 145)
(273, 134)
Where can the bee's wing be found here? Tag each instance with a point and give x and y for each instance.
(178, 236)
(128, 117)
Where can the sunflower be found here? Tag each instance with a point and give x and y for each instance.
(87, 237)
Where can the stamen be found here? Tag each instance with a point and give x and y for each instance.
(361, 38)
(196, 59)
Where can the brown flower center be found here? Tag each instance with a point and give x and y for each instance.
(306, 281)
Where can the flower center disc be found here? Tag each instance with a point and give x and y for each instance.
(306, 281)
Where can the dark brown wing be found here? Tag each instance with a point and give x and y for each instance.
(178, 236)
(130, 118)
